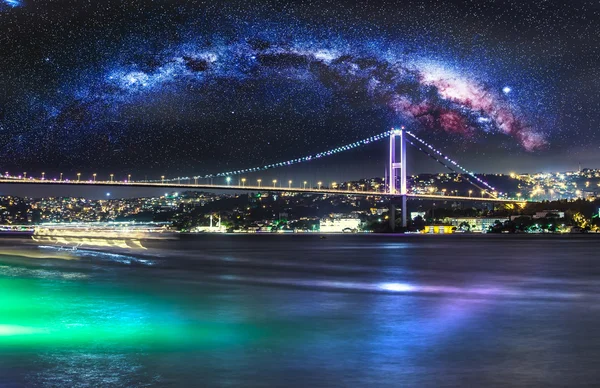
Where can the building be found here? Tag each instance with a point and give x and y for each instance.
(339, 225)
(439, 229)
(549, 213)
(476, 224)
(414, 215)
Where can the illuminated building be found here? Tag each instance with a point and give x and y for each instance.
(339, 225)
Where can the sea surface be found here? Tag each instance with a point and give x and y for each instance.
(298, 310)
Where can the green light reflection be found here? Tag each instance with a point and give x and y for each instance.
(62, 313)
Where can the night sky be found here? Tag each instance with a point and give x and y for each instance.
(196, 87)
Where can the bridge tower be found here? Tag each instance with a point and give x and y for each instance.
(397, 169)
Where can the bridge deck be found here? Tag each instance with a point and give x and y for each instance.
(173, 185)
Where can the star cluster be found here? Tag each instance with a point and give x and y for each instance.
(195, 85)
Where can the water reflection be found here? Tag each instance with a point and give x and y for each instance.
(95, 242)
(221, 311)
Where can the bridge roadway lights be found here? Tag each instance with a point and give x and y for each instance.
(163, 183)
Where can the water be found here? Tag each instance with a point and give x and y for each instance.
(296, 310)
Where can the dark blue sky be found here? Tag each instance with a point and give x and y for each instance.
(192, 87)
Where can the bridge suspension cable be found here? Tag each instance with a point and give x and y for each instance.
(290, 162)
(442, 163)
(435, 154)
(444, 157)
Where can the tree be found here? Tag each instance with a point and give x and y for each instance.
(595, 224)
(418, 223)
(497, 227)
(580, 221)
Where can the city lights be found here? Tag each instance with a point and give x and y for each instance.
(538, 186)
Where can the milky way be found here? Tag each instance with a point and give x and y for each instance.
(10, 3)
(197, 86)
(415, 91)
(426, 94)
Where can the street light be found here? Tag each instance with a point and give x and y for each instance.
(228, 179)
(482, 193)
(274, 182)
(60, 179)
(43, 175)
(25, 175)
(305, 182)
(162, 179)
(128, 178)
(470, 192)
(78, 176)
(289, 184)
(243, 182)
(519, 195)
(443, 191)
(259, 181)
(319, 185)
(94, 176)
(111, 177)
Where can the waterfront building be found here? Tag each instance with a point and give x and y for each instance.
(476, 224)
(439, 229)
(339, 225)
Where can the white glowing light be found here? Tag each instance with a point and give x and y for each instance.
(13, 3)
(136, 78)
(397, 287)
(10, 330)
(506, 89)
(326, 55)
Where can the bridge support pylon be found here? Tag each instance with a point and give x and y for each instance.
(397, 171)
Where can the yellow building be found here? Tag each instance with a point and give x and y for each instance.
(439, 229)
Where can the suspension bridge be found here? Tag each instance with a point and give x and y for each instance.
(395, 187)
